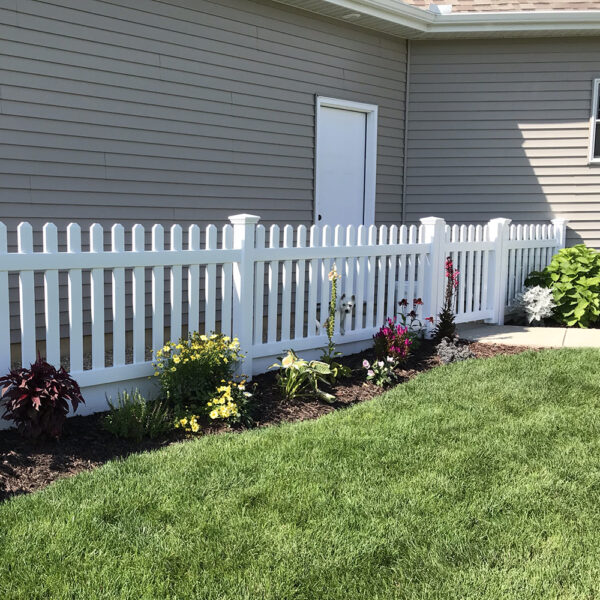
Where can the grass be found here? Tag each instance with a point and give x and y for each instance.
(478, 480)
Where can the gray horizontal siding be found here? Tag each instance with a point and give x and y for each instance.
(501, 128)
(191, 110)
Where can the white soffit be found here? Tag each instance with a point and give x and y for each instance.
(402, 20)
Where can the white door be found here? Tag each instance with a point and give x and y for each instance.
(345, 163)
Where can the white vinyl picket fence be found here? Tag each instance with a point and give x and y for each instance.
(268, 288)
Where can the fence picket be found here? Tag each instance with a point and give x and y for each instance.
(349, 271)
(26, 297)
(97, 299)
(360, 280)
(210, 283)
(118, 297)
(313, 283)
(158, 292)
(286, 285)
(411, 270)
(138, 298)
(51, 298)
(75, 293)
(300, 284)
(371, 275)
(379, 305)
(273, 287)
(392, 263)
(176, 285)
(325, 269)
(193, 300)
(227, 284)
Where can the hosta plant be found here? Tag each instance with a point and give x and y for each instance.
(574, 278)
(299, 378)
(37, 399)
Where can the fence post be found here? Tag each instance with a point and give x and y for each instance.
(434, 233)
(244, 230)
(498, 269)
(560, 232)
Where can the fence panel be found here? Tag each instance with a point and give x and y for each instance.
(273, 296)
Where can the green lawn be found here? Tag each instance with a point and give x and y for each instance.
(478, 480)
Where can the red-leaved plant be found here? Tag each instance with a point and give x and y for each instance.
(37, 399)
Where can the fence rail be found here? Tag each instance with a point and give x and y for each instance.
(269, 287)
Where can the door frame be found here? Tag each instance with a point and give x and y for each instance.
(370, 152)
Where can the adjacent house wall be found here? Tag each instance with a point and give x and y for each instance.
(186, 111)
(501, 128)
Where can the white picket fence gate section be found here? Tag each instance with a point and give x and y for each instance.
(268, 288)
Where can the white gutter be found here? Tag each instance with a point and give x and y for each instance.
(404, 20)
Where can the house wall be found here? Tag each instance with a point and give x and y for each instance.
(501, 128)
(186, 111)
(182, 111)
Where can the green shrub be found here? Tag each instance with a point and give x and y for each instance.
(299, 378)
(191, 370)
(134, 417)
(574, 278)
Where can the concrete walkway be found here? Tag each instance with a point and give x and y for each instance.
(538, 337)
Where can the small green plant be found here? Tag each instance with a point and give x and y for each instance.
(191, 370)
(574, 278)
(381, 372)
(298, 378)
(134, 417)
(446, 327)
(338, 371)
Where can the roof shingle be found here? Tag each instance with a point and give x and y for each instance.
(461, 6)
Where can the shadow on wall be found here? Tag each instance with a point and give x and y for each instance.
(500, 128)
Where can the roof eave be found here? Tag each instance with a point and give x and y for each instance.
(403, 20)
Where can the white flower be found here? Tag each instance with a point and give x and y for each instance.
(538, 303)
(371, 373)
(390, 359)
(366, 364)
(380, 364)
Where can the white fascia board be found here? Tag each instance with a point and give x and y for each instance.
(424, 24)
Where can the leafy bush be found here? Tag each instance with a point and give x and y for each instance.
(191, 370)
(446, 327)
(574, 278)
(37, 399)
(134, 417)
(449, 351)
(393, 339)
(381, 372)
(299, 378)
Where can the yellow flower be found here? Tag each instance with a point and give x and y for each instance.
(195, 427)
(214, 414)
(183, 421)
(173, 369)
(166, 349)
(203, 338)
(176, 359)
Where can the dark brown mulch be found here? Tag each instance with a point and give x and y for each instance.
(26, 466)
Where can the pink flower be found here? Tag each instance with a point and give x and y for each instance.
(366, 364)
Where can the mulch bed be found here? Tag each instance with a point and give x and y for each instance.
(26, 466)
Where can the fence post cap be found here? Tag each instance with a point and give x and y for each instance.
(560, 221)
(244, 219)
(501, 221)
(432, 220)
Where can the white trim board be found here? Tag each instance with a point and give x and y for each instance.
(402, 20)
(371, 111)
